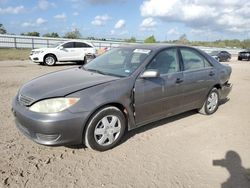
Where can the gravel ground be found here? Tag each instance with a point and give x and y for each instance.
(188, 150)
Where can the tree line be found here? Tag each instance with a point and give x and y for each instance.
(75, 34)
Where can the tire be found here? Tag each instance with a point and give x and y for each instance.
(80, 62)
(211, 103)
(83, 62)
(50, 60)
(101, 134)
(239, 58)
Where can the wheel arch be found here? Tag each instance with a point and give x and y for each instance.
(217, 86)
(48, 55)
(120, 106)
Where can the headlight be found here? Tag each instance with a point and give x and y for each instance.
(53, 105)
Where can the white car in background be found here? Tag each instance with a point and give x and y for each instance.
(64, 51)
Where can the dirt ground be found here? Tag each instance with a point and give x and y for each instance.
(189, 150)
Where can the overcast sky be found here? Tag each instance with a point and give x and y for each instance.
(166, 20)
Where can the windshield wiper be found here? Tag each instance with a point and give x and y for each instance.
(103, 73)
(116, 75)
(96, 71)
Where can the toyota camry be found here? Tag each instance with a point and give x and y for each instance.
(123, 89)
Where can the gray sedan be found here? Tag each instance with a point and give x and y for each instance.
(125, 88)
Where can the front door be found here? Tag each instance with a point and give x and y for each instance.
(158, 97)
(68, 53)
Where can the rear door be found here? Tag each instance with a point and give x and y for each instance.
(82, 49)
(156, 98)
(199, 77)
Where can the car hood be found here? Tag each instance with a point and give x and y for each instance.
(39, 49)
(62, 83)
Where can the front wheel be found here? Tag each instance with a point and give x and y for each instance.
(211, 103)
(50, 60)
(105, 129)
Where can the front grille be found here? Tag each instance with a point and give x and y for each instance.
(24, 100)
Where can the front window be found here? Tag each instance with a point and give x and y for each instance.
(68, 45)
(118, 62)
(165, 62)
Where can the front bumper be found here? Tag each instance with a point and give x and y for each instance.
(64, 128)
(225, 90)
(37, 58)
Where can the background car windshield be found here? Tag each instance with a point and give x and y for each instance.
(118, 62)
(56, 44)
(214, 53)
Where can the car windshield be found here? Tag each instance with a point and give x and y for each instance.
(214, 53)
(55, 45)
(119, 62)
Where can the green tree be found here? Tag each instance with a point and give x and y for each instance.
(132, 40)
(2, 29)
(33, 33)
(53, 35)
(150, 39)
(73, 34)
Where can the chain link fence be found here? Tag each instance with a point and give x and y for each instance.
(16, 41)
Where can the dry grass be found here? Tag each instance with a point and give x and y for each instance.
(14, 54)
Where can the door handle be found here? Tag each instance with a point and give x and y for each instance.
(211, 73)
(179, 80)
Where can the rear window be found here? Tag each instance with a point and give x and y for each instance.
(193, 60)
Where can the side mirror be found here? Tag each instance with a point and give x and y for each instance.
(60, 47)
(153, 73)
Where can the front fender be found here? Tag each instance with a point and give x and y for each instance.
(115, 92)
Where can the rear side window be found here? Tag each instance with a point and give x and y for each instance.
(192, 60)
(82, 45)
(69, 45)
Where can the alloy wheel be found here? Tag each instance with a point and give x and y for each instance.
(212, 101)
(50, 60)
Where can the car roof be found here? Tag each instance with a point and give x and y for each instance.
(152, 47)
(78, 41)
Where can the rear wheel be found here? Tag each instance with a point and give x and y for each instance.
(50, 60)
(105, 129)
(239, 58)
(211, 103)
(84, 61)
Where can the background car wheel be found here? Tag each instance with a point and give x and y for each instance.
(50, 60)
(211, 104)
(83, 62)
(105, 129)
(239, 58)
